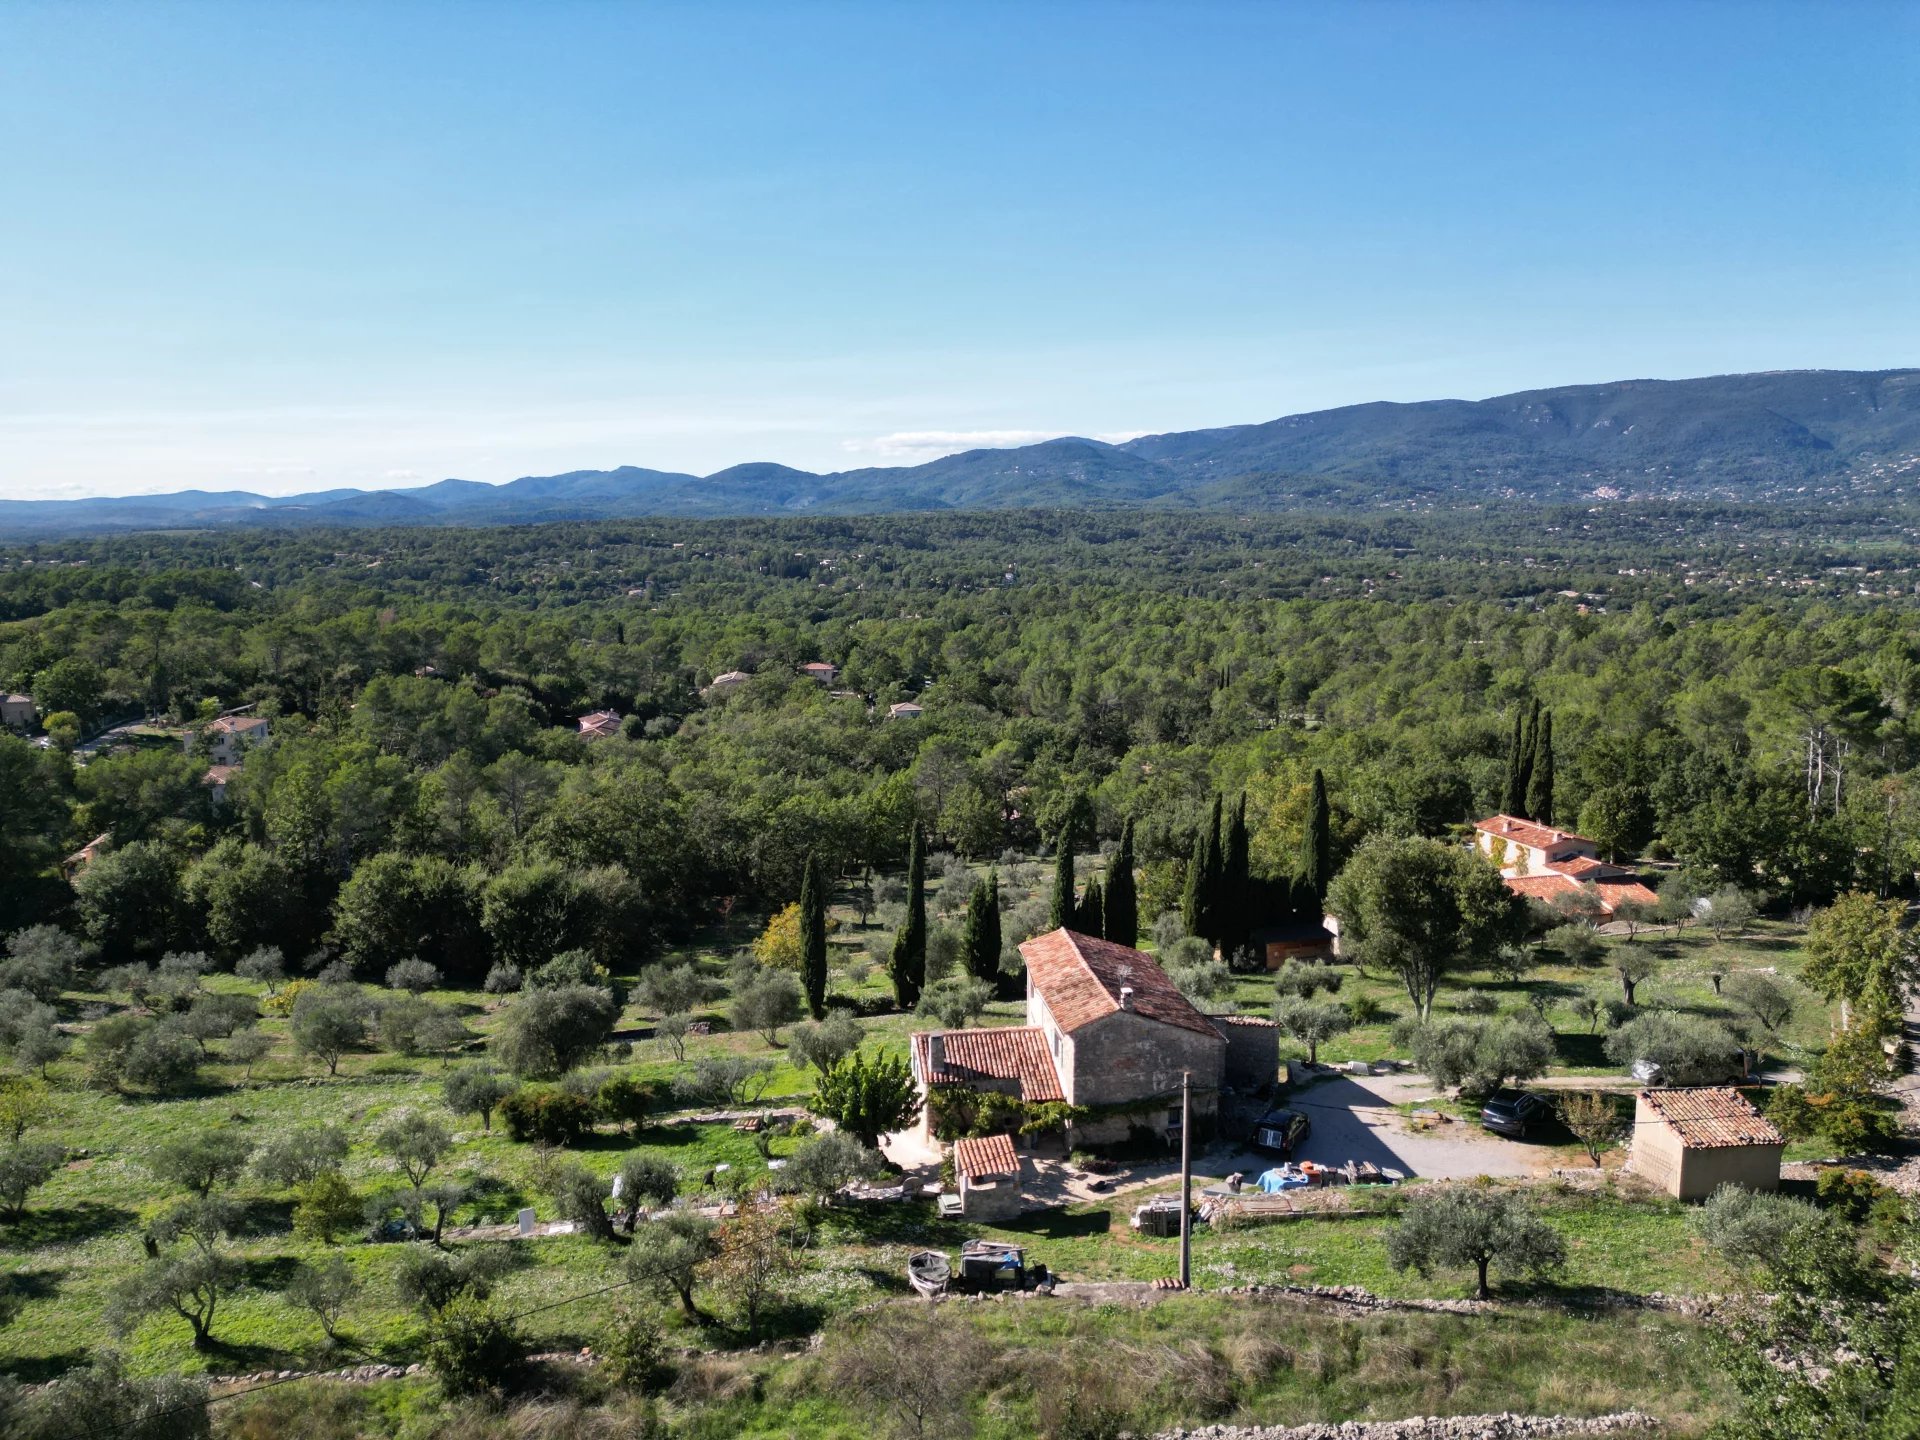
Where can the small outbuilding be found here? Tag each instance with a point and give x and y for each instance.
(1691, 1142)
(1298, 939)
(988, 1171)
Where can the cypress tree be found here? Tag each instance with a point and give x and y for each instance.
(980, 940)
(1516, 801)
(1089, 917)
(1119, 897)
(1316, 848)
(1529, 743)
(909, 968)
(813, 937)
(1061, 914)
(1235, 904)
(1200, 905)
(1540, 791)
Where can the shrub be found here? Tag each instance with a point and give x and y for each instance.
(581, 1196)
(280, 1004)
(545, 1033)
(472, 1350)
(633, 1354)
(1688, 1049)
(504, 978)
(624, 1099)
(1476, 1002)
(1365, 1010)
(547, 1115)
(325, 1207)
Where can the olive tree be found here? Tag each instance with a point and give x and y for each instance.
(1452, 1225)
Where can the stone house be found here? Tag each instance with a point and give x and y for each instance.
(821, 671)
(1253, 1050)
(216, 780)
(905, 710)
(18, 712)
(1106, 1030)
(228, 737)
(1691, 1142)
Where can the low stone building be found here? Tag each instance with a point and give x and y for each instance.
(1286, 940)
(1253, 1050)
(1691, 1142)
(988, 1171)
(18, 712)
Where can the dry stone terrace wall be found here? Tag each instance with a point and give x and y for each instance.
(1432, 1427)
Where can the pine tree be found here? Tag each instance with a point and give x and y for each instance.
(980, 940)
(1061, 914)
(1235, 903)
(813, 937)
(1089, 918)
(1119, 897)
(1540, 790)
(1316, 848)
(1516, 803)
(909, 968)
(1529, 744)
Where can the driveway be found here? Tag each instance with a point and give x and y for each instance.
(1354, 1118)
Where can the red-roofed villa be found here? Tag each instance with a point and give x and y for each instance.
(1543, 863)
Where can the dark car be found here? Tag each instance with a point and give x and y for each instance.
(1280, 1131)
(1510, 1112)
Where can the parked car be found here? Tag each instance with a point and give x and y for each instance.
(1280, 1131)
(1511, 1112)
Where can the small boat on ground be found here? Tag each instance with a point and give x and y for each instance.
(928, 1271)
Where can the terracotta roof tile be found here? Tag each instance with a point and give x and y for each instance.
(1081, 979)
(986, 1155)
(1614, 893)
(1542, 887)
(1712, 1118)
(237, 724)
(1009, 1052)
(1542, 837)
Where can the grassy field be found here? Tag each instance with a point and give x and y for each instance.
(81, 1235)
(1110, 1367)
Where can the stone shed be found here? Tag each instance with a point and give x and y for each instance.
(1253, 1050)
(988, 1171)
(1691, 1142)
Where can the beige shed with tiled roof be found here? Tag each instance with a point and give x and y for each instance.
(1691, 1142)
(988, 1171)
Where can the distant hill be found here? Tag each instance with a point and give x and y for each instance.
(1805, 433)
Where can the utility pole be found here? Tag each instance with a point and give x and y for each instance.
(1186, 1180)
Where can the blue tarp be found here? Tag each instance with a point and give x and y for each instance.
(1284, 1177)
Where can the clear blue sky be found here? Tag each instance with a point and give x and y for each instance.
(285, 246)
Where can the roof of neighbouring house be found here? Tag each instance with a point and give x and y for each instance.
(219, 774)
(1006, 1052)
(1542, 887)
(19, 699)
(1615, 893)
(1582, 867)
(732, 677)
(1245, 1022)
(599, 724)
(1712, 1118)
(1081, 978)
(820, 667)
(84, 855)
(1293, 931)
(906, 707)
(1541, 837)
(237, 724)
(978, 1157)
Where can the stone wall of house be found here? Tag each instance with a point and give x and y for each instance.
(1124, 1057)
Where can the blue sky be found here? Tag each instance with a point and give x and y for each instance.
(292, 246)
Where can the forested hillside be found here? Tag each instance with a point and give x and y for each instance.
(1833, 434)
(423, 689)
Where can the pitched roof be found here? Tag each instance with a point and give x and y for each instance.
(237, 724)
(906, 707)
(599, 724)
(819, 667)
(1712, 1117)
(1006, 1052)
(1615, 893)
(1541, 837)
(1583, 867)
(219, 774)
(1247, 1022)
(978, 1157)
(1081, 978)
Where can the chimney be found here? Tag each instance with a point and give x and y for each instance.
(1126, 997)
(936, 1051)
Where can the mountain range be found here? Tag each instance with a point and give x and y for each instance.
(1772, 435)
